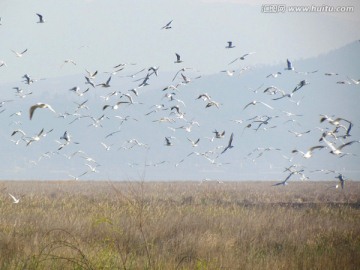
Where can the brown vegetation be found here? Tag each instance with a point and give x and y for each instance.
(179, 225)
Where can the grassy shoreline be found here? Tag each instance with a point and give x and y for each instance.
(179, 225)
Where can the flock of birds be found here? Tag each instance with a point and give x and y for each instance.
(171, 110)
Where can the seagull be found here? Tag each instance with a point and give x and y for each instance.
(308, 154)
(107, 147)
(168, 142)
(89, 81)
(204, 96)
(194, 143)
(15, 200)
(298, 134)
(181, 70)
(241, 57)
(116, 106)
(284, 183)
(256, 102)
(167, 26)
(18, 131)
(274, 75)
(41, 19)
(178, 60)
(107, 84)
(65, 137)
(229, 46)
(300, 85)
(19, 54)
(219, 135)
(91, 75)
(337, 150)
(289, 65)
(40, 105)
(229, 146)
(69, 61)
(212, 103)
(38, 136)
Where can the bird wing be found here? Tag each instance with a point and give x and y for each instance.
(251, 103)
(234, 60)
(263, 103)
(32, 109)
(346, 144)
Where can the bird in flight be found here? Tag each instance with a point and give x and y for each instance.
(19, 54)
(289, 65)
(230, 45)
(308, 154)
(41, 18)
(39, 105)
(241, 57)
(257, 102)
(178, 59)
(167, 26)
(15, 200)
(229, 146)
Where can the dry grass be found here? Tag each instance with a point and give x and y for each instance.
(184, 225)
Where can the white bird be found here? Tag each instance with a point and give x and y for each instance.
(91, 75)
(274, 75)
(167, 141)
(106, 84)
(116, 106)
(337, 150)
(15, 200)
(19, 54)
(299, 134)
(257, 102)
(41, 18)
(308, 154)
(107, 147)
(194, 143)
(39, 105)
(178, 59)
(241, 57)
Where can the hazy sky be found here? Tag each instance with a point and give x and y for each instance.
(98, 35)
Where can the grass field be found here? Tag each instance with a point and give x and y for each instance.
(179, 225)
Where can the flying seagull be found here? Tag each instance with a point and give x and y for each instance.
(337, 150)
(167, 26)
(229, 146)
(116, 106)
(229, 46)
(13, 197)
(257, 102)
(40, 105)
(308, 154)
(241, 57)
(107, 84)
(19, 54)
(41, 19)
(289, 65)
(178, 60)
